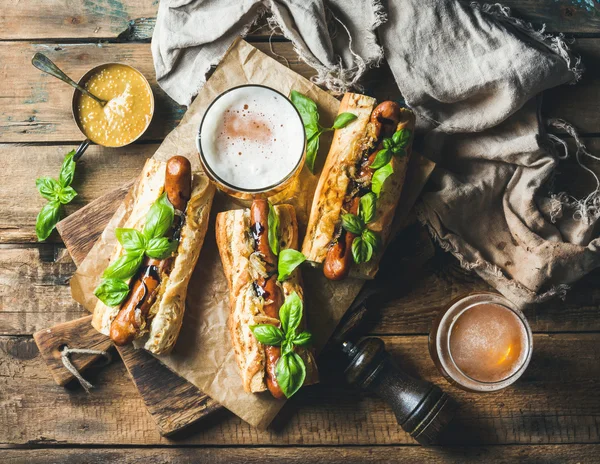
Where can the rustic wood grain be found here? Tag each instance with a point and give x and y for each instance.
(536, 454)
(100, 171)
(51, 341)
(134, 19)
(554, 402)
(34, 295)
(39, 105)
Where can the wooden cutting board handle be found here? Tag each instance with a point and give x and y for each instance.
(78, 333)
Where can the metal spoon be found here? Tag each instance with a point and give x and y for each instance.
(43, 63)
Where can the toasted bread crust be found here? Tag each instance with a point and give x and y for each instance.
(348, 147)
(169, 307)
(235, 247)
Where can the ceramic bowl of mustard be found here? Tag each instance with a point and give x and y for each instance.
(127, 113)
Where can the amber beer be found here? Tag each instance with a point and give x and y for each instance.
(481, 342)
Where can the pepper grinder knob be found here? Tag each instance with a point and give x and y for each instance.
(421, 408)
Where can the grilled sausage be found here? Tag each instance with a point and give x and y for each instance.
(267, 287)
(132, 316)
(339, 256)
(384, 118)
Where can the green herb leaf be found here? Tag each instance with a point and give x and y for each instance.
(161, 247)
(268, 334)
(367, 207)
(290, 313)
(48, 187)
(343, 119)
(352, 223)
(401, 138)
(66, 195)
(387, 143)
(287, 347)
(372, 238)
(123, 267)
(47, 219)
(306, 107)
(67, 170)
(382, 158)
(379, 178)
(132, 240)
(290, 373)
(303, 339)
(361, 251)
(400, 152)
(289, 259)
(273, 232)
(159, 218)
(112, 292)
(312, 147)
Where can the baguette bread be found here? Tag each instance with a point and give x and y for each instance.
(166, 314)
(235, 243)
(347, 149)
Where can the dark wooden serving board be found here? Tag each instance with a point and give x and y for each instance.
(173, 402)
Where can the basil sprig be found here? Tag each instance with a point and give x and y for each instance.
(392, 146)
(113, 288)
(290, 370)
(273, 232)
(366, 241)
(57, 192)
(289, 259)
(310, 117)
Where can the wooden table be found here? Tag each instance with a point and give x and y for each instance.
(551, 414)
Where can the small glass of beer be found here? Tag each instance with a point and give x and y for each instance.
(481, 342)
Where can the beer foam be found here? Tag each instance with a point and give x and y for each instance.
(252, 137)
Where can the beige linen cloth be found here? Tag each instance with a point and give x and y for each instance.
(474, 75)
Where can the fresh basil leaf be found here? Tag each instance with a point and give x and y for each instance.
(161, 247)
(312, 147)
(303, 339)
(361, 251)
(287, 347)
(400, 152)
(312, 130)
(367, 207)
(48, 188)
(290, 313)
(387, 143)
(159, 218)
(66, 195)
(273, 230)
(67, 170)
(112, 292)
(382, 158)
(123, 267)
(306, 107)
(290, 373)
(132, 240)
(289, 259)
(268, 334)
(401, 138)
(343, 119)
(371, 238)
(379, 178)
(47, 219)
(352, 223)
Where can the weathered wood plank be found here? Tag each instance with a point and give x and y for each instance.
(547, 454)
(34, 295)
(554, 402)
(134, 19)
(99, 171)
(37, 107)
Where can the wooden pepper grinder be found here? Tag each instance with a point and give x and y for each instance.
(422, 409)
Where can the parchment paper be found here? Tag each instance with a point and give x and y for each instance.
(203, 353)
